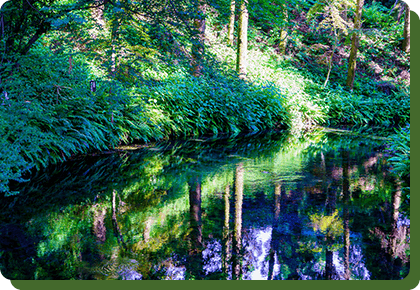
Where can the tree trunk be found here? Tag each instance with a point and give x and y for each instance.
(114, 39)
(231, 26)
(195, 213)
(241, 62)
(283, 41)
(283, 32)
(406, 41)
(197, 50)
(354, 45)
(331, 58)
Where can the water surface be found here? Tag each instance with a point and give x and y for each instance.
(268, 206)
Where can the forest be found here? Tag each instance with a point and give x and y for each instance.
(80, 79)
(164, 69)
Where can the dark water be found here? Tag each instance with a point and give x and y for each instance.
(272, 206)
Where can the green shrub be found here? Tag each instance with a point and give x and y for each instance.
(399, 152)
(359, 108)
(376, 16)
(208, 105)
(51, 114)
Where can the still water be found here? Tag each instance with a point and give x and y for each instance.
(269, 206)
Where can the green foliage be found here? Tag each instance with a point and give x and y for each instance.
(344, 108)
(51, 114)
(152, 211)
(207, 105)
(381, 32)
(331, 13)
(399, 152)
(376, 15)
(24, 22)
(267, 15)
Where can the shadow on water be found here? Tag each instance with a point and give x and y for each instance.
(267, 206)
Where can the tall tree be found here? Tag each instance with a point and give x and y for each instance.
(114, 40)
(241, 60)
(396, 237)
(24, 22)
(199, 38)
(354, 44)
(406, 35)
(116, 227)
(283, 30)
(231, 25)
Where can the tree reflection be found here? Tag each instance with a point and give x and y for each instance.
(237, 230)
(227, 240)
(325, 210)
(398, 234)
(336, 226)
(99, 228)
(275, 236)
(116, 227)
(346, 212)
(194, 261)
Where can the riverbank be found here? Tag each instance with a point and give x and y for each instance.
(50, 112)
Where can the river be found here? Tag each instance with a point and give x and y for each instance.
(266, 206)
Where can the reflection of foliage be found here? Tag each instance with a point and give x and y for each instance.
(329, 225)
(119, 268)
(335, 140)
(399, 149)
(152, 204)
(308, 247)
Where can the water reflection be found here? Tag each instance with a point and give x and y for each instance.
(268, 207)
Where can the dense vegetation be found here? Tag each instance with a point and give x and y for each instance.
(166, 69)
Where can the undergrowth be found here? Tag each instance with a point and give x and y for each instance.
(49, 113)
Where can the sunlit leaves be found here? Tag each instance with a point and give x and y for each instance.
(203, 105)
(332, 12)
